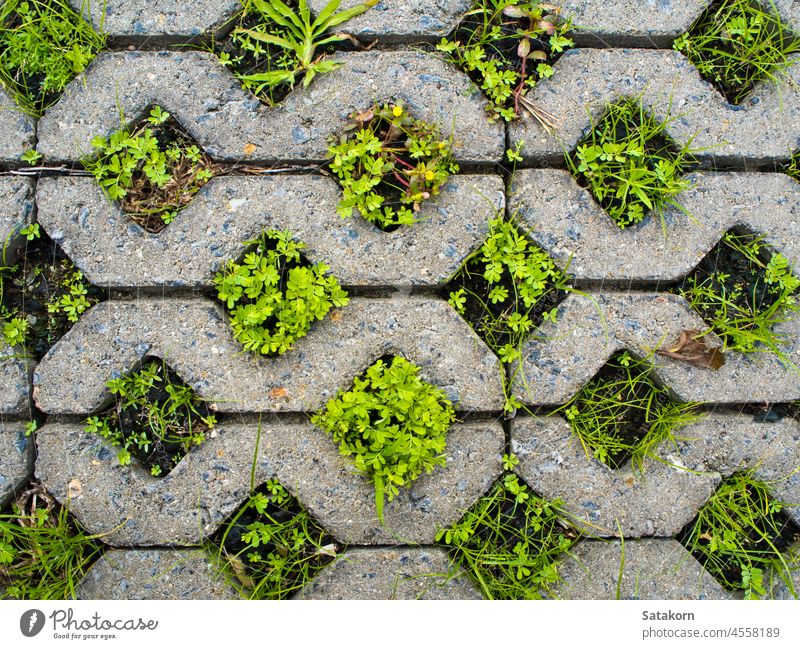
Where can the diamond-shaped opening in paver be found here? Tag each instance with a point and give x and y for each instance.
(506, 48)
(388, 164)
(42, 294)
(511, 541)
(736, 43)
(623, 415)
(392, 423)
(507, 288)
(274, 295)
(44, 552)
(742, 535)
(152, 168)
(44, 44)
(630, 164)
(261, 53)
(742, 289)
(154, 417)
(272, 546)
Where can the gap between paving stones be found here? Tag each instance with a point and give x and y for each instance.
(591, 327)
(667, 495)
(564, 219)
(225, 119)
(586, 81)
(195, 340)
(214, 479)
(110, 249)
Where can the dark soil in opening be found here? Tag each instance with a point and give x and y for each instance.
(733, 90)
(504, 50)
(631, 424)
(147, 203)
(739, 273)
(783, 533)
(771, 412)
(36, 278)
(230, 538)
(164, 452)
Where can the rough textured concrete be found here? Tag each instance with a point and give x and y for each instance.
(16, 209)
(155, 17)
(789, 11)
(15, 380)
(154, 574)
(653, 569)
(404, 573)
(194, 337)
(665, 496)
(112, 250)
(226, 120)
(564, 219)
(17, 130)
(587, 80)
(590, 328)
(131, 508)
(787, 586)
(16, 459)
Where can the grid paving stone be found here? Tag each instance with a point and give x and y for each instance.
(587, 80)
(132, 508)
(111, 249)
(15, 380)
(16, 210)
(154, 574)
(653, 569)
(564, 219)
(155, 17)
(194, 338)
(403, 573)
(17, 130)
(591, 327)
(665, 496)
(227, 121)
(789, 11)
(16, 460)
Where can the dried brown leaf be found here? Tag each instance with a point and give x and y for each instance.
(691, 347)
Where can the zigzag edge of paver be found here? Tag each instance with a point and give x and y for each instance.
(587, 80)
(16, 459)
(590, 327)
(131, 508)
(564, 219)
(665, 496)
(226, 120)
(112, 250)
(160, 18)
(391, 574)
(194, 338)
(155, 574)
(651, 569)
(17, 130)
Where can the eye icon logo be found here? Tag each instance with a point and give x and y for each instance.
(31, 622)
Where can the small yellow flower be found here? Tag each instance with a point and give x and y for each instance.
(397, 111)
(429, 175)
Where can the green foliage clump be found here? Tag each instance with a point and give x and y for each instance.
(44, 553)
(152, 173)
(388, 163)
(507, 288)
(506, 46)
(273, 546)
(154, 416)
(741, 537)
(793, 168)
(392, 423)
(629, 163)
(621, 413)
(736, 43)
(275, 45)
(43, 45)
(742, 290)
(274, 296)
(510, 541)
